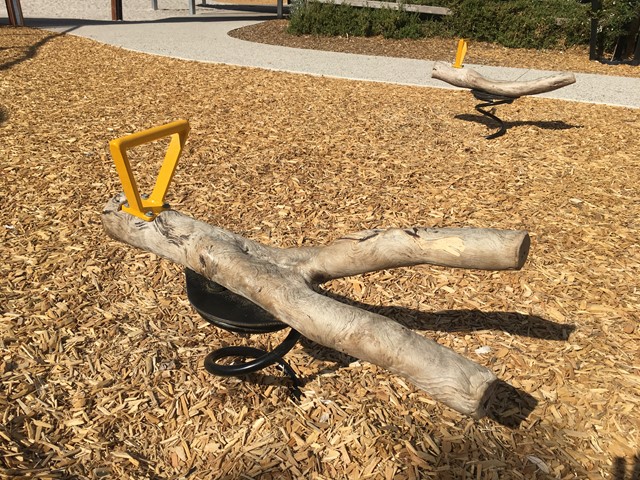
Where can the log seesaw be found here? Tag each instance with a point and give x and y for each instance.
(245, 286)
(493, 93)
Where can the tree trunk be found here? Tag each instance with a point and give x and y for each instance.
(469, 78)
(281, 282)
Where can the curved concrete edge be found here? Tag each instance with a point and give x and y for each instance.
(205, 38)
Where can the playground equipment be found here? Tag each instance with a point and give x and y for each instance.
(493, 93)
(244, 286)
(212, 301)
(14, 11)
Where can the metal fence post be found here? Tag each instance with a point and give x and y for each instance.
(14, 12)
(116, 10)
(593, 41)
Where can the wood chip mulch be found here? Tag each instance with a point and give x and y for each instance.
(101, 365)
(575, 59)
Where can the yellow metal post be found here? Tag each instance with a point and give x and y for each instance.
(460, 53)
(148, 207)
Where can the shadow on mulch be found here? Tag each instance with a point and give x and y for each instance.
(467, 320)
(545, 125)
(505, 404)
(4, 114)
(30, 51)
(35, 458)
(619, 470)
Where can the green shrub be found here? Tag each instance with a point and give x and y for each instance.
(520, 23)
(314, 18)
(615, 19)
(397, 24)
(512, 23)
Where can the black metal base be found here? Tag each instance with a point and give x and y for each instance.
(262, 359)
(229, 311)
(491, 100)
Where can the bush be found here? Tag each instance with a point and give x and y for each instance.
(314, 18)
(520, 23)
(512, 23)
(615, 19)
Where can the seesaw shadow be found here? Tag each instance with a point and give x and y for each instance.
(505, 404)
(620, 469)
(491, 124)
(466, 320)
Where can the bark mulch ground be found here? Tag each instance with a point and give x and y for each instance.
(101, 355)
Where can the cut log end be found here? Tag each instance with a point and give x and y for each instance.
(470, 394)
(523, 251)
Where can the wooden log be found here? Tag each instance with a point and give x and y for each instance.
(469, 78)
(281, 281)
(372, 250)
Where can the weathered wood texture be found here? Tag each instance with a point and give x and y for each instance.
(469, 78)
(281, 281)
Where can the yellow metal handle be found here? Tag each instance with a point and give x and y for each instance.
(147, 208)
(460, 53)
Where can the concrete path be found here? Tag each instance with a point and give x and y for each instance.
(173, 32)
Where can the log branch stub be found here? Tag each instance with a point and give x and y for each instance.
(373, 250)
(281, 282)
(469, 78)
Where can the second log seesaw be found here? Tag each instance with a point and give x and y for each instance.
(491, 92)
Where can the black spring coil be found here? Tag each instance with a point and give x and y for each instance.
(491, 100)
(262, 359)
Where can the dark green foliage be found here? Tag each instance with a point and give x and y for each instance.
(512, 23)
(615, 19)
(398, 24)
(341, 20)
(520, 23)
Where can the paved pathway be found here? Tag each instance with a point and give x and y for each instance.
(203, 37)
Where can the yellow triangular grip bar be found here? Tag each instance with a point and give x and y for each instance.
(460, 53)
(148, 207)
